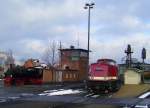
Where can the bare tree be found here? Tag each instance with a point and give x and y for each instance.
(10, 59)
(50, 56)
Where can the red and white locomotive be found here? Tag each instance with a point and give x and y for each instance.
(103, 76)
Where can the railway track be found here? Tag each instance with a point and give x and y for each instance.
(67, 100)
(83, 95)
(60, 101)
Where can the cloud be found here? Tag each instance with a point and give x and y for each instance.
(115, 48)
(32, 12)
(36, 46)
(28, 25)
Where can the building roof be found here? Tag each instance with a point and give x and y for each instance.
(68, 70)
(135, 70)
(74, 49)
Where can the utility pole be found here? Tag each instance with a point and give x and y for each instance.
(88, 6)
(53, 52)
(60, 55)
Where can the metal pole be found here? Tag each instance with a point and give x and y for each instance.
(89, 13)
(88, 6)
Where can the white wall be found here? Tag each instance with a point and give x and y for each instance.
(132, 77)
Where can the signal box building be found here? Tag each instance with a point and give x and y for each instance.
(75, 59)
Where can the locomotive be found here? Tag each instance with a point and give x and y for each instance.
(103, 76)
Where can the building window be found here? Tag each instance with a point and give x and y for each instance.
(70, 75)
(75, 53)
(67, 76)
(74, 75)
(74, 58)
(83, 54)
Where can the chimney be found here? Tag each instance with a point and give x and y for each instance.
(71, 47)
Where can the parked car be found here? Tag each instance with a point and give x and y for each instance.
(142, 104)
(145, 95)
(145, 103)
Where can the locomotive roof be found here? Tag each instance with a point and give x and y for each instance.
(109, 60)
(105, 60)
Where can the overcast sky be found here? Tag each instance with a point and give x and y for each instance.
(27, 26)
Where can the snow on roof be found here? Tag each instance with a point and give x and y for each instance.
(43, 64)
(39, 67)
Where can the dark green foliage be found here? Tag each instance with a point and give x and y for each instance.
(8, 73)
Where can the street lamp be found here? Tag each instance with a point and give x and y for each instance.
(89, 6)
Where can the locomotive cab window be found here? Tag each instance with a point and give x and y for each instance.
(111, 63)
(98, 69)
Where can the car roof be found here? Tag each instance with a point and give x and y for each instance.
(144, 95)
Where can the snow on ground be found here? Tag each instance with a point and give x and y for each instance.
(12, 97)
(95, 96)
(88, 95)
(48, 91)
(60, 92)
(26, 94)
(2, 100)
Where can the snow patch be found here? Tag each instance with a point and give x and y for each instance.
(2, 100)
(13, 97)
(26, 94)
(88, 95)
(60, 92)
(95, 96)
(48, 91)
